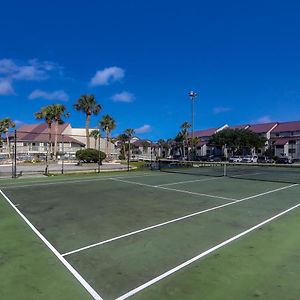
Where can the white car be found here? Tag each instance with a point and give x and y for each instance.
(250, 159)
(235, 159)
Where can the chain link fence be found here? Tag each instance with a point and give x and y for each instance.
(47, 153)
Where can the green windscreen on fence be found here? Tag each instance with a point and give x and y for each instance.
(263, 172)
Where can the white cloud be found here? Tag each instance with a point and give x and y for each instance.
(123, 97)
(107, 76)
(221, 109)
(55, 95)
(145, 128)
(6, 88)
(7, 66)
(31, 70)
(263, 119)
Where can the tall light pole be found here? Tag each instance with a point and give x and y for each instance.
(193, 97)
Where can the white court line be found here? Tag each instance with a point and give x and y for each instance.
(201, 255)
(90, 290)
(174, 190)
(190, 181)
(10, 186)
(247, 174)
(173, 221)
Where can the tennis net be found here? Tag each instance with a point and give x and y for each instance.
(261, 172)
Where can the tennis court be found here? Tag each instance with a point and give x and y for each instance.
(142, 234)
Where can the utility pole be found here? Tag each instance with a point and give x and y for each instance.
(193, 97)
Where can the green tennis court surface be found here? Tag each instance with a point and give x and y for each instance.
(150, 235)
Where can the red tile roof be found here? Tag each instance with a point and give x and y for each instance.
(262, 128)
(281, 142)
(40, 133)
(238, 127)
(203, 133)
(140, 143)
(287, 126)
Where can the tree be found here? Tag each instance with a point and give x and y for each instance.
(145, 145)
(59, 111)
(193, 142)
(129, 132)
(52, 114)
(185, 135)
(179, 142)
(5, 125)
(47, 114)
(161, 144)
(107, 124)
(237, 140)
(95, 134)
(88, 105)
(122, 138)
(90, 155)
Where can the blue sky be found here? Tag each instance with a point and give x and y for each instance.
(141, 58)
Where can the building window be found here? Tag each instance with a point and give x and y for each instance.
(291, 151)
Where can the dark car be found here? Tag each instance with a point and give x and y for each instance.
(213, 158)
(284, 160)
(265, 159)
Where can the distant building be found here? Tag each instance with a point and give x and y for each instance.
(32, 141)
(282, 137)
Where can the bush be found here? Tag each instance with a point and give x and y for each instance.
(90, 155)
(121, 157)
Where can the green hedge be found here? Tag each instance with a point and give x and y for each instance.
(90, 155)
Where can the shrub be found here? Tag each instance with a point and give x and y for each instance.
(90, 155)
(121, 157)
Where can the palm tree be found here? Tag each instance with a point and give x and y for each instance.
(95, 134)
(59, 111)
(47, 114)
(88, 105)
(122, 138)
(161, 144)
(129, 132)
(185, 134)
(107, 124)
(193, 142)
(5, 125)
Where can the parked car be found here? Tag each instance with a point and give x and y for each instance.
(201, 158)
(235, 159)
(250, 159)
(214, 158)
(265, 160)
(284, 160)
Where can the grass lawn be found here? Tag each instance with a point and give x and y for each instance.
(28, 270)
(264, 265)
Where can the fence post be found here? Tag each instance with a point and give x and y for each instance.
(100, 161)
(15, 154)
(63, 154)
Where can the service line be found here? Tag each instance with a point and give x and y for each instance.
(173, 221)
